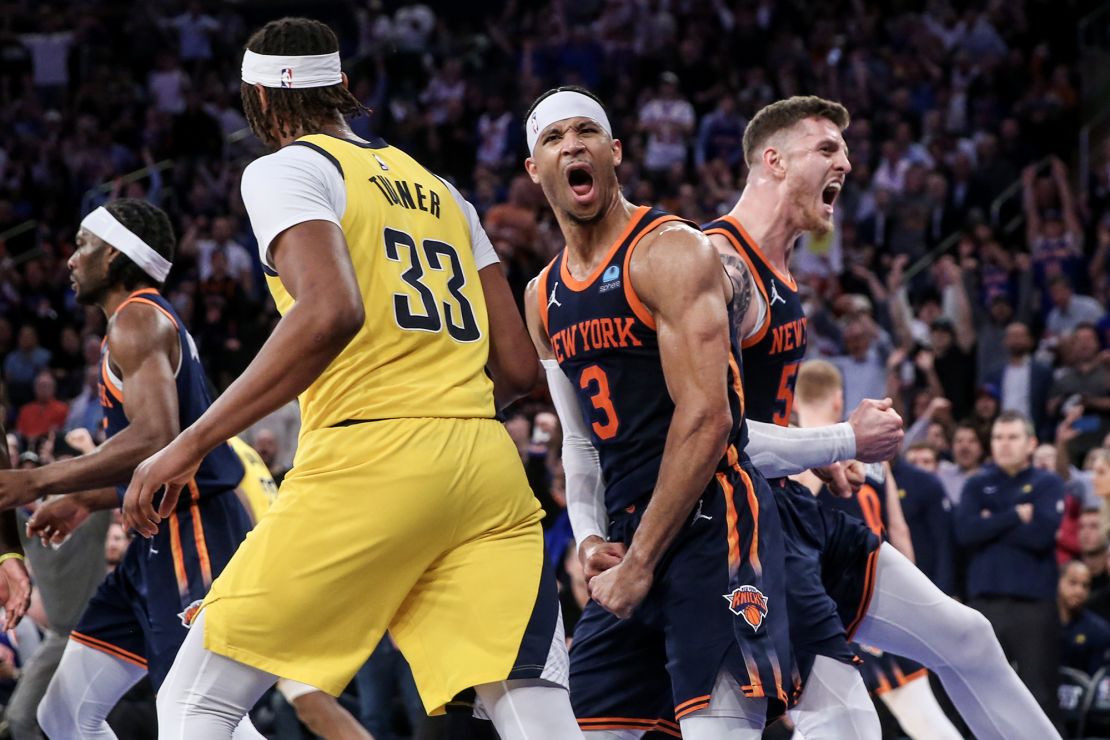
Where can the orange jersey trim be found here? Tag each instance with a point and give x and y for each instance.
(116, 393)
(630, 295)
(737, 383)
(541, 294)
(788, 279)
(621, 723)
(178, 555)
(753, 506)
(579, 285)
(108, 648)
(868, 592)
(766, 325)
(198, 535)
(731, 519)
(691, 705)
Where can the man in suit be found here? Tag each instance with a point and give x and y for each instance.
(1023, 381)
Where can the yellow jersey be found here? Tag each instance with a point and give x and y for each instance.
(423, 348)
(257, 489)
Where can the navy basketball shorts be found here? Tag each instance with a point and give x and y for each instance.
(883, 672)
(848, 563)
(718, 602)
(138, 614)
(816, 627)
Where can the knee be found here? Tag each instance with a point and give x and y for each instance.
(57, 716)
(970, 636)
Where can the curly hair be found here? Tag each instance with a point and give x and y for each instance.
(295, 111)
(151, 224)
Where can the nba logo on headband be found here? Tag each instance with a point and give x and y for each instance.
(287, 77)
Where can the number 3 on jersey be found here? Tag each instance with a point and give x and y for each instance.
(596, 377)
(785, 398)
(461, 324)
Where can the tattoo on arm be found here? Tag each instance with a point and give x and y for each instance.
(738, 275)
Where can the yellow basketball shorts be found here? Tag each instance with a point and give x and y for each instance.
(424, 527)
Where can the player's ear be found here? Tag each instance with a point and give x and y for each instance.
(772, 160)
(530, 168)
(618, 152)
(263, 103)
(346, 81)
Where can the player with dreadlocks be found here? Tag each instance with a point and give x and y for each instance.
(152, 385)
(408, 508)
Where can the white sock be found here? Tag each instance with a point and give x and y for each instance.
(910, 616)
(915, 707)
(529, 710)
(208, 695)
(85, 688)
(835, 704)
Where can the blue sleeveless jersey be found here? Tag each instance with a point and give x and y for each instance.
(868, 504)
(604, 339)
(220, 470)
(773, 355)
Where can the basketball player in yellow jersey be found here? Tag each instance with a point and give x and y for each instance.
(408, 507)
(257, 491)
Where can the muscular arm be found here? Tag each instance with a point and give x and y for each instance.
(512, 360)
(678, 276)
(896, 527)
(315, 268)
(144, 347)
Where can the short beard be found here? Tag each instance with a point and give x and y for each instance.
(588, 220)
(91, 296)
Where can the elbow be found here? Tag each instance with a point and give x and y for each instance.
(713, 425)
(339, 323)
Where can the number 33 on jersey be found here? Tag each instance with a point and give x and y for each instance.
(412, 241)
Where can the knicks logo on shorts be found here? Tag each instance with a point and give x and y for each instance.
(750, 603)
(190, 613)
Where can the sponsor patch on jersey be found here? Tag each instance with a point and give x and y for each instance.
(748, 602)
(611, 279)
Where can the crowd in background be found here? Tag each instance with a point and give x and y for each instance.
(964, 133)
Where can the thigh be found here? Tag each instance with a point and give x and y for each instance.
(618, 676)
(113, 622)
(310, 592)
(815, 624)
(722, 598)
(90, 680)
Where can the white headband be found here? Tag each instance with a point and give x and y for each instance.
(559, 107)
(103, 224)
(315, 70)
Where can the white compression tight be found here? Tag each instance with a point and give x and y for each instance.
(910, 616)
(915, 707)
(207, 695)
(728, 715)
(85, 688)
(835, 704)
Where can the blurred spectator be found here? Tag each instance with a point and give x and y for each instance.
(967, 457)
(46, 413)
(221, 239)
(1053, 234)
(863, 363)
(929, 518)
(1069, 311)
(720, 135)
(285, 424)
(1007, 519)
(1084, 382)
(85, 411)
(1085, 639)
(23, 364)
(115, 545)
(668, 120)
(1024, 382)
(194, 31)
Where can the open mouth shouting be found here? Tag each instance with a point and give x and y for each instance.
(830, 194)
(580, 178)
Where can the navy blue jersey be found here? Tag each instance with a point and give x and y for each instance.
(774, 353)
(869, 504)
(604, 340)
(220, 470)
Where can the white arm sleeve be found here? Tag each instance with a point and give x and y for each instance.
(484, 254)
(286, 188)
(585, 486)
(781, 451)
